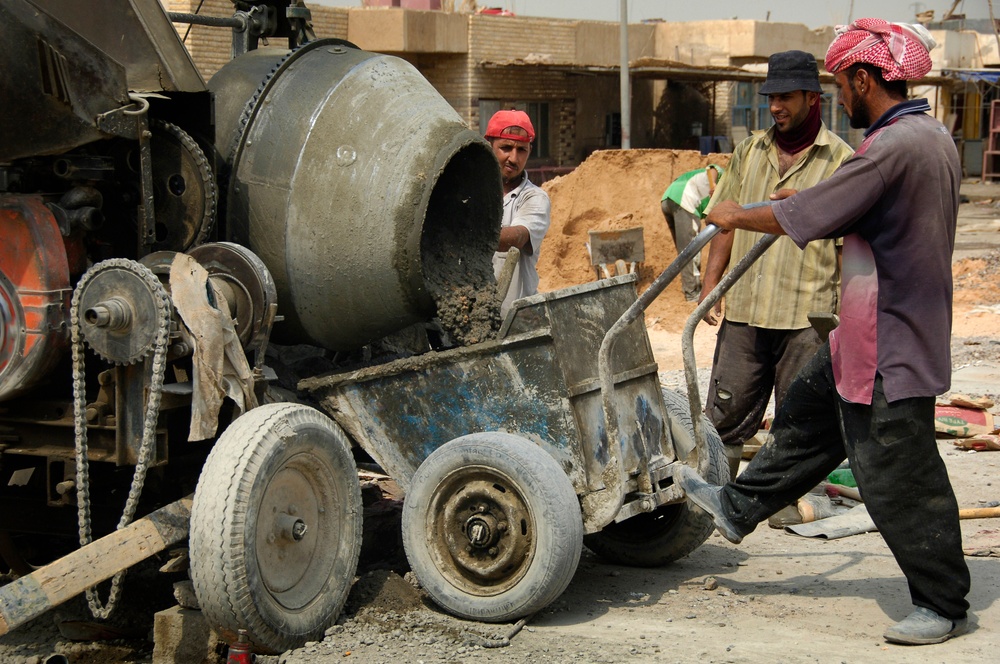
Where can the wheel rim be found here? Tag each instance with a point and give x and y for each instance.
(480, 531)
(294, 526)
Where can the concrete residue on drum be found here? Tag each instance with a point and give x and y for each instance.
(460, 234)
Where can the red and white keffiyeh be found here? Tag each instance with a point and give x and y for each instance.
(900, 50)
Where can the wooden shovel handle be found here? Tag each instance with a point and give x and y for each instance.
(979, 513)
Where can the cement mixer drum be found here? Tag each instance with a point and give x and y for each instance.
(365, 194)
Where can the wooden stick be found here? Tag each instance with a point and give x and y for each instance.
(30, 596)
(979, 513)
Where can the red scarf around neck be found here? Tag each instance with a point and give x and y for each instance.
(802, 136)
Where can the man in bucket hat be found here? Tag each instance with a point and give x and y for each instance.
(868, 395)
(766, 337)
(525, 206)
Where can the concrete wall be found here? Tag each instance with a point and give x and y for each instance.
(599, 43)
(964, 50)
(735, 42)
(400, 31)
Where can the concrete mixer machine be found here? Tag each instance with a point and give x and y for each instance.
(156, 231)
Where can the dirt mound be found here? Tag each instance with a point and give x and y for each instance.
(382, 590)
(976, 279)
(613, 190)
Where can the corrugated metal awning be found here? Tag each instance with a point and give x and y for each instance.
(643, 68)
(650, 68)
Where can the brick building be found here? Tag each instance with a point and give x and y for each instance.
(693, 84)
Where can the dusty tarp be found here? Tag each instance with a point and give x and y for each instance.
(853, 522)
(220, 367)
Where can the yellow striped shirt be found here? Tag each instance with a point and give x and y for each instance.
(786, 283)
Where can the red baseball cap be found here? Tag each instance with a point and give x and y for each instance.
(503, 121)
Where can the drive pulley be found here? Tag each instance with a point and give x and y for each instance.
(123, 310)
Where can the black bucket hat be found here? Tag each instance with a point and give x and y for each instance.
(789, 71)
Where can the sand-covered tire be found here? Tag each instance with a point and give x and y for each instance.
(276, 527)
(492, 527)
(656, 538)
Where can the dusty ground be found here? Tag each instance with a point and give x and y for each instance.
(774, 598)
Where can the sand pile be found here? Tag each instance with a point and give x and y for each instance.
(612, 190)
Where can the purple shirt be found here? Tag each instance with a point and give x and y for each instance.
(896, 204)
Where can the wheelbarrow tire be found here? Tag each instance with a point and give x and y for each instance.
(492, 527)
(275, 469)
(657, 538)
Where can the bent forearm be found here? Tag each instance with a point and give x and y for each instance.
(514, 236)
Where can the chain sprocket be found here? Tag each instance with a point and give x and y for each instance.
(160, 324)
(122, 306)
(184, 189)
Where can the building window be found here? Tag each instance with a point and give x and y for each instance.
(835, 119)
(750, 109)
(613, 130)
(743, 106)
(538, 113)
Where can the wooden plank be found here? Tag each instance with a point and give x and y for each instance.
(30, 596)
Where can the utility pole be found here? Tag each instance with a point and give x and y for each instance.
(626, 121)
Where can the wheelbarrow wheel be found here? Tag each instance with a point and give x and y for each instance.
(276, 527)
(657, 538)
(492, 527)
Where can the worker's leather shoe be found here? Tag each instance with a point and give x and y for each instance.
(924, 626)
(706, 496)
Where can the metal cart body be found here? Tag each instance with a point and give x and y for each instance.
(539, 380)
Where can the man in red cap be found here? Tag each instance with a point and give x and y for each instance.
(525, 206)
(868, 394)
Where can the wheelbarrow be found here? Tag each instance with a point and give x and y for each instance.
(515, 452)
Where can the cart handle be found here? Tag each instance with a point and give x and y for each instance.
(687, 341)
(600, 512)
(614, 475)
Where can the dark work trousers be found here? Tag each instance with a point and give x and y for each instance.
(895, 460)
(750, 362)
(684, 227)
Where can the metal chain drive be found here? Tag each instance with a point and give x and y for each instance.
(162, 327)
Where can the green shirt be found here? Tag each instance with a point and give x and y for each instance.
(786, 283)
(679, 187)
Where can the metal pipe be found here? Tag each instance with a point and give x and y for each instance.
(687, 341)
(236, 22)
(687, 338)
(626, 98)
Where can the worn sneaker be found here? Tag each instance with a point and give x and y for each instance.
(924, 626)
(706, 496)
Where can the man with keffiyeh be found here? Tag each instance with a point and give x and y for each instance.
(868, 395)
(766, 336)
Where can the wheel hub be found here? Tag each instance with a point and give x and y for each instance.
(289, 527)
(476, 547)
(483, 529)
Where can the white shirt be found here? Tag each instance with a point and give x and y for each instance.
(527, 206)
